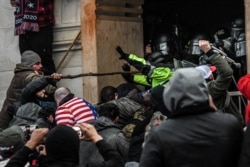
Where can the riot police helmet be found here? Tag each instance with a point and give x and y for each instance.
(162, 42)
(156, 58)
(193, 45)
(237, 27)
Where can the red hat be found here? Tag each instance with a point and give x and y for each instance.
(212, 68)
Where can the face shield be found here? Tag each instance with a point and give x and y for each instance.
(228, 43)
(235, 32)
(237, 28)
(161, 42)
(156, 57)
(163, 48)
(194, 48)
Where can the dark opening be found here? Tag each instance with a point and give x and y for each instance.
(189, 15)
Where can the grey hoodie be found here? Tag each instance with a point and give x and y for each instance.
(186, 88)
(196, 135)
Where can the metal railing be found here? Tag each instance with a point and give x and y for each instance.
(241, 99)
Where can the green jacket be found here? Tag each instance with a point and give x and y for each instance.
(156, 76)
(136, 58)
(218, 88)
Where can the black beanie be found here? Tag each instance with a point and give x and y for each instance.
(157, 100)
(62, 144)
(30, 58)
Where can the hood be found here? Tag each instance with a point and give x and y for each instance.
(26, 114)
(11, 140)
(157, 100)
(20, 68)
(186, 92)
(32, 88)
(104, 123)
(62, 145)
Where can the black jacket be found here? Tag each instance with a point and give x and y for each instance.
(245, 152)
(110, 133)
(195, 135)
(211, 139)
(111, 157)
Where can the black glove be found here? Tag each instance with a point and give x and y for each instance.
(127, 76)
(203, 60)
(126, 67)
(51, 80)
(218, 41)
(123, 55)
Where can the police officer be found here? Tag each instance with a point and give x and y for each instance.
(156, 67)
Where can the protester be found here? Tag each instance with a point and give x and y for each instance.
(109, 93)
(62, 147)
(244, 87)
(29, 69)
(46, 118)
(218, 86)
(107, 128)
(36, 31)
(29, 109)
(196, 133)
(11, 140)
(72, 110)
(244, 160)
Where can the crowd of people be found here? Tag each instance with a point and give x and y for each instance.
(186, 121)
(183, 117)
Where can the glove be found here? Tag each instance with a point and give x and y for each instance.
(122, 54)
(51, 80)
(203, 60)
(218, 42)
(126, 67)
(127, 76)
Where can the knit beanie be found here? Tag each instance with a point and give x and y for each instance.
(30, 58)
(62, 144)
(157, 100)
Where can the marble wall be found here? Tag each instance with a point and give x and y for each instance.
(67, 26)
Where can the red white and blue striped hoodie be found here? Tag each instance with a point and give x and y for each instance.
(75, 111)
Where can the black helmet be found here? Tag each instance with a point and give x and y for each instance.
(193, 46)
(237, 27)
(162, 43)
(156, 58)
(238, 23)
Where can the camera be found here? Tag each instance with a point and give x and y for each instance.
(27, 130)
(78, 130)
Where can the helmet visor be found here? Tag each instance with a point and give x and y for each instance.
(194, 49)
(163, 47)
